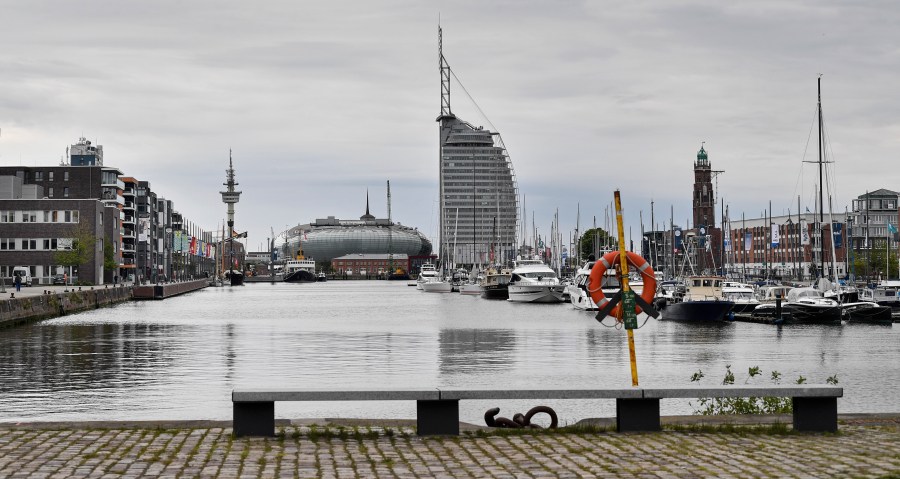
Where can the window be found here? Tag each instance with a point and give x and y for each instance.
(46, 216)
(6, 216)
(55, 216)
(38, 176)
(50, 192)
(65, 176)
(68, 216)
(66, 192)
(75, 216)
(49, 176)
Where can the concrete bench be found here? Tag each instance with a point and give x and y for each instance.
(437, 410)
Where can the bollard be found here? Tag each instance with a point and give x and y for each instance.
(12, 295)
(778, 307)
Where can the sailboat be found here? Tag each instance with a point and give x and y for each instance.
(440, 284)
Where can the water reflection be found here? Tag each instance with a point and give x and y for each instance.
(464, 351)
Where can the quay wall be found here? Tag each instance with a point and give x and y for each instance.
(15, 311)
(163, 291)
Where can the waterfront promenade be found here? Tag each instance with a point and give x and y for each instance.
(864, 447)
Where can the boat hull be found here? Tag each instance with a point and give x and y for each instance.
(697, 311)
(437, 287)
(470, 288)
(866, 314)
(495, 291)
(300, 276)
(536, 293)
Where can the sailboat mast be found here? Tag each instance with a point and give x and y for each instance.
(821, 184)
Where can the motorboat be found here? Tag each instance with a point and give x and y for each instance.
(300, 271)
(702, 302)
(742, 295)
(886, 293)
(234, 277)
(495, 284)
(668, 292)
(578, 290)
(804, 306)
(532, 281)
(427, 273)
(321, 277)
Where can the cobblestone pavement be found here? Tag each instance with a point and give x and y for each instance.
(301, 452)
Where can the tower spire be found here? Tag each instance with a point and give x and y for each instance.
(367, 202)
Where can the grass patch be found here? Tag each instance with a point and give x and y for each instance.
(777, 429)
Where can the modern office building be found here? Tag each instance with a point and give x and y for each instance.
(874, 219)
(479, 209)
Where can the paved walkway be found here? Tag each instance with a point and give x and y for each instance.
(860, 450)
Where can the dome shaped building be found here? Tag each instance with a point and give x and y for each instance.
(329, 238)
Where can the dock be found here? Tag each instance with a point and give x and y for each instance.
(168, 290)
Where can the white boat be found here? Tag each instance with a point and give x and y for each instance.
(742, 295)
(804, 306)
(887, 293)
(533, 281)
(427, 273)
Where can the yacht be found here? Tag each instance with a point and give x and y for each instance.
(702, 302)
(427, 273)
(742, 295)
(804, 306)
(887, 293)
(300, 271)
(578, 290)
(532, 281)
(495, 284)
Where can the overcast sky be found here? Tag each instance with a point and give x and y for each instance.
(320, 101)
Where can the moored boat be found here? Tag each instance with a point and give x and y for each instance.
(702, 302)
(300, 271)
(866, 312)
(532, 281)
(495, 284)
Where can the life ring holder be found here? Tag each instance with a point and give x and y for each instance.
(610, 306)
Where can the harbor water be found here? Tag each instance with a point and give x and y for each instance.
(180, 358)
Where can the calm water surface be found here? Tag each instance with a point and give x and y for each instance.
(180, 358)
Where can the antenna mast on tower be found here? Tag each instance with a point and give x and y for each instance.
(445, 76)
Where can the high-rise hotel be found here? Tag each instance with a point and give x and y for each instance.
(479, 209)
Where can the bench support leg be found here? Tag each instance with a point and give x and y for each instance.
(815, 414)
(637, 415)
(437, 417)
(254, 419)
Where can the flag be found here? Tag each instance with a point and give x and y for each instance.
(678, 242)
(239, 235)
(891, 228)
(193, 245)
(727, 244)
(776, 237)
(837, 230)
(748, 241)
(804, 233)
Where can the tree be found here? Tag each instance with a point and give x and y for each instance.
(109, 257)
(82, 248)
(598, 236)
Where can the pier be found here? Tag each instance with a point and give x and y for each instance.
(163, 291)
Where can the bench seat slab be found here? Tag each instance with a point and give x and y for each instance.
(634, 415)
(254, 419)
(437, 417)
(815, 414)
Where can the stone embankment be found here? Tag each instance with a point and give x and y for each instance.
(35, 307)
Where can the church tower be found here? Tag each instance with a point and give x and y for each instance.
(704, 198)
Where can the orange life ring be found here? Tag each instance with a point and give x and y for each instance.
(609, 260)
